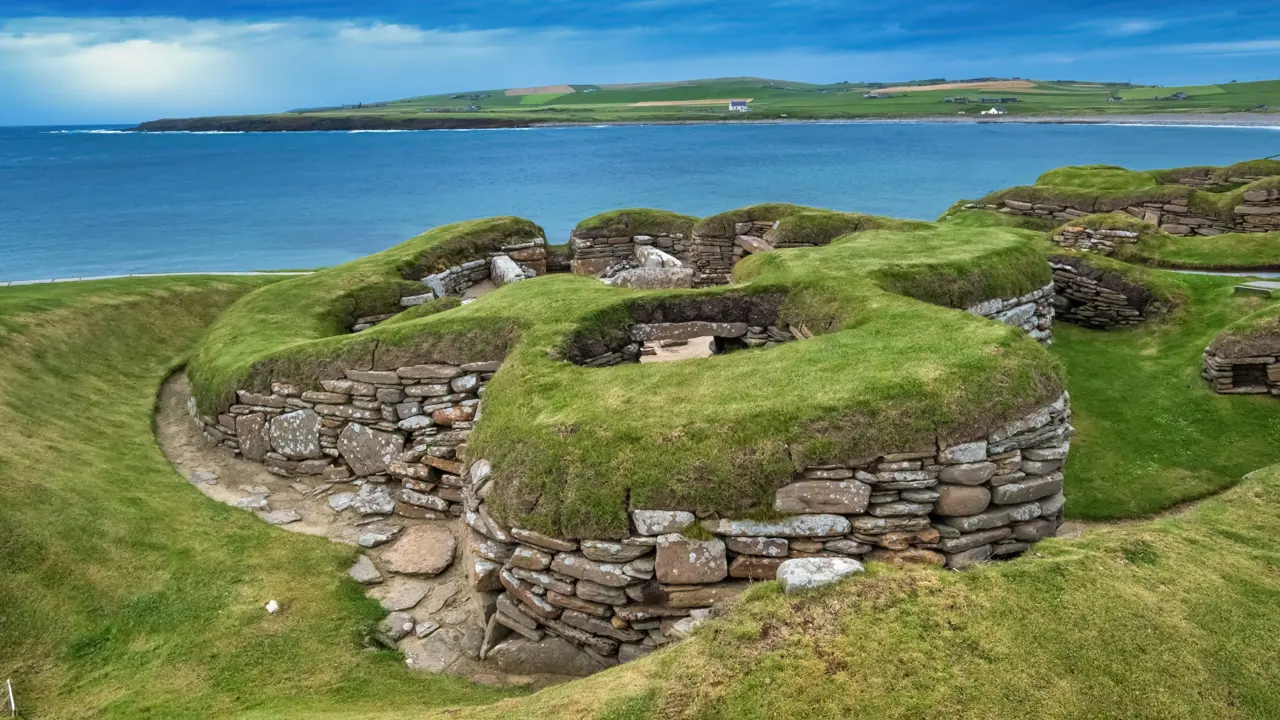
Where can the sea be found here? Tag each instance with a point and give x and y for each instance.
(102, 201)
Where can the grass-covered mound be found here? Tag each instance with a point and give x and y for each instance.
(1105, 188)
(243, 347)
(572, 444)
(1166, 619)
(124, 592)
(635, 221)
(1254, 336)
(1155, 247)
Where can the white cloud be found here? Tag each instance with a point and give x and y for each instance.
(1126, 28)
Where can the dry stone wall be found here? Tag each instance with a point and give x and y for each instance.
(591, 253)
(713, 256)
(397, 437)
(1259, 212)
(953, 505)
(1032, 313)
(509, 263)
(1097, 240)
(1231, 375)
(1085, 295)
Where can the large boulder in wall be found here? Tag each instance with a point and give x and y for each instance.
(648, 278)
(368, 451)
(651, 257)
(296, 435)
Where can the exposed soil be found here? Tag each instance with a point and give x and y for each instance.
(444, 599)
(698, 347)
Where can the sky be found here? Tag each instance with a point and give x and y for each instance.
(68, 62)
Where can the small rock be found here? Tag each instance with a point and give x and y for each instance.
(273, 607)
(421, 550)
(397, 625)
(425, 628)
(800, 574)
(373, 499)
(254, 502)
(376, 535)
(341, 501)
(280, 517)
(204, 477)
(365, 572)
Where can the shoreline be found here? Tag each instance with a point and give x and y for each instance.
(265, 124)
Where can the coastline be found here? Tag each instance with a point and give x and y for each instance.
(275, 123)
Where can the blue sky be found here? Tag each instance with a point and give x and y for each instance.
(104, 61)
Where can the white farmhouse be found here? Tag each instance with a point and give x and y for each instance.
(739, 106)
(995, 111)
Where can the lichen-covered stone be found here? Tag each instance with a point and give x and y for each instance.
(958, 500)
(368, 451)
(296, 435)
(800, 574)
(685, 562)
(840, 497)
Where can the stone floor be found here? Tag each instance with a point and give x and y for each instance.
(432, 617)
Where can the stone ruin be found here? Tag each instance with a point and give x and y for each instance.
(392, 443)
(1087, 296)
(1242, 365)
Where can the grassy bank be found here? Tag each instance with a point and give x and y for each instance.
(1167, 619)
(1151, 433)
(124, 592)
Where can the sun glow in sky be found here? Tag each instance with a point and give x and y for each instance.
(100, 61)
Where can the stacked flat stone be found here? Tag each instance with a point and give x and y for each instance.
(1093, 298)
(1033, 312)
(727, 334)
(407, 426)
(1230, 375)
(954, 505)
(1096, 240)
(1260, 212)
(530, 254)
(592, 253)
(713, 256)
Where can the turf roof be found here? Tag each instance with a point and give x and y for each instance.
(1104, 188)
(572, 445)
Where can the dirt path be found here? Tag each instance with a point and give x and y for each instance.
(446, 635)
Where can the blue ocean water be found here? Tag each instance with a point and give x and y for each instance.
(78, 202)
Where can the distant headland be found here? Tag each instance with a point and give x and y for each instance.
(744, 100)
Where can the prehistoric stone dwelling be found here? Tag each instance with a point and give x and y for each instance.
(1245, 361)
(1205, 201)
(1091, 297)
(601, 507)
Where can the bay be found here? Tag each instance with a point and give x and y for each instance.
(77, 202)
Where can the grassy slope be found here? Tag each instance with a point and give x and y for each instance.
(712, 433)
(806, 101)
(1151, 432)
(125, 592)
(1169, 619)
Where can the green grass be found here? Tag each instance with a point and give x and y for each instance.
(1160, 620)
(1107, 188)
(635, 221)
(1151, 432)
(572, 444)
(126, 593)
(771, 100)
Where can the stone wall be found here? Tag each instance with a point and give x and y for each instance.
(713, 256)
(529, 256)
(397, 436)
(953, 505)
(1230, 375)
(590, 254)
(1085, 295)
(1097, 240)
(1259, 212)
(1033, 312)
